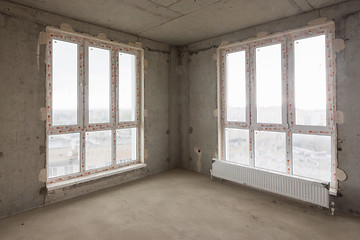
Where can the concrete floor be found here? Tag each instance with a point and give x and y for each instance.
(179, 204)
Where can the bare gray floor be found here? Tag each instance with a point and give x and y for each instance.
(179, 205)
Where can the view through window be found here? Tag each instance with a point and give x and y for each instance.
(277, 103)
(93, 100)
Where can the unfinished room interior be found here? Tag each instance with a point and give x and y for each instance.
(179, 119)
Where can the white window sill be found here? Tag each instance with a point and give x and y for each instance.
(94, 176)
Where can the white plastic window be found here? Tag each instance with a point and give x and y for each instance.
(94, 105)
(237, 145)
(268, 84)
(65, 83)
(310, 81)
(99, 72)
(236, 86)
(127, 87)
(277, 103)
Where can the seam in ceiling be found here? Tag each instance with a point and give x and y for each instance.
(299, 4)
(180, 16)
(302, 5)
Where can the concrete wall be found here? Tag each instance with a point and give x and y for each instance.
(202, 132)
(22, 94)
(180, 99)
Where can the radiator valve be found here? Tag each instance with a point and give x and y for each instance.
(332, 208)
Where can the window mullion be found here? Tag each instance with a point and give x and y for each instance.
(331, 108)
(287, 102)
(252, 149)
(81, 105)
(284, 83)
(82, 151)
(252, 103)
(252, 98)
(86, 102)
(114, 101)
(290, 103)
(221, 104)
(86, 85)
(289, 164)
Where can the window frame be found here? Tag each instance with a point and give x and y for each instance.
(83, 126)
(288, 125)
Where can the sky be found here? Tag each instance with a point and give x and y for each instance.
(65, 72)
(309, 76)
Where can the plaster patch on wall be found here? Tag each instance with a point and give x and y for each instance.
(339, 44)
(86, 35)
(340, 175)
(224, 43)
(102, 36)
(198, 152)
(145, 112)
(216, 155)
(215, 113)
(38, 56)
(317, 21)
(42, 175)
(277, 33)
(66, 27)
(339, 117)
(146, 63)
(214, 56)
(131, 44)
(146, 154)
(138, 44)
(42, 114)
(262, 34)
(42, 38)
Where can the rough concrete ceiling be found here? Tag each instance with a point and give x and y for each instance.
(177, 22)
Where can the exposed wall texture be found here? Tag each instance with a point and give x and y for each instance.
(180, 100)
(202, 95)
(22, 94)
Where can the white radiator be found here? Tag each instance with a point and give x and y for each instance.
(305, 190)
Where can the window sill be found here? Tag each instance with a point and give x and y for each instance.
(94, 176)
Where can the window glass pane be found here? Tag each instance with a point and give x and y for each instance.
(126, 146)
(312, 156)
(236, 86)
(127, 87)
(270, 150)
(64, 82)
(310, 81)
(268, 84)
(97, 149)
(64, 154)
(99, 85)
(237, 145)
